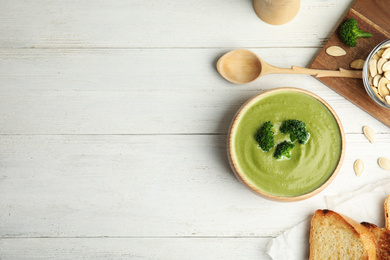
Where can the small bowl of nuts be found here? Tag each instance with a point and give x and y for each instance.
(376, 74)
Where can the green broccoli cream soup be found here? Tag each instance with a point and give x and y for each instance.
(310, 164)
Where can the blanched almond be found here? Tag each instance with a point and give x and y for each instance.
(387, 99)
(386, 53)
(381, 61)
(384, 163)
(383, 91)
(382, 88)
(357, 64)
(381, 51)
(372, 67)
(335, 51)
(369, 133)
(375, 80)
(378, 95)
(386, 65)
(358, 167)
(387, 74)
(375, 90)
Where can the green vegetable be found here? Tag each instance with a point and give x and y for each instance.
(296, 129)
(265, 136)
(283, 150)
(350, 32)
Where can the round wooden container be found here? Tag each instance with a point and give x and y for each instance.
(234, 164)
(276, 12)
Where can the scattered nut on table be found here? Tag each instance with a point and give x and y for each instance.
(384, 163)
(335, 51)
(358, 167)
(357, 64)
(369, 133)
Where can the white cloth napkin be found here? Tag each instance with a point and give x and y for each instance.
(362, 205)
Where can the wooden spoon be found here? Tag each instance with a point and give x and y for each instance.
(243, 66)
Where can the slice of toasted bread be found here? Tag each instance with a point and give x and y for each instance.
(382, 240)
(334, 236)
(387, 212)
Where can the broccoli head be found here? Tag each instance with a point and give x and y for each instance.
(283, 150)
(350, 32)
(296, 129)
(265, 136)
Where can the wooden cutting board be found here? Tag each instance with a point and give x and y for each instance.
(372, 16)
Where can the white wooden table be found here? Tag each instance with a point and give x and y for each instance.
(113, 123)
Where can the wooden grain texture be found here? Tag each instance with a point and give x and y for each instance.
(170, 248)
(113, 124)
(143, 186)
(160, 24)
(372, 16)
(134, 186)
(78, 91)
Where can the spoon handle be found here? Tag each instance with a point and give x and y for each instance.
(320, 73)
(329, 73)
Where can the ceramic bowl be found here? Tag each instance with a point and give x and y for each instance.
(242, 173)
(372, 91)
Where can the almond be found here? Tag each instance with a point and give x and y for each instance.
(381, 61)
(358, 167)
(372, 67)
(381, 98)
(375, 80)
(335, 51)
(357, 64)
(370, 80)
(375, 90)
(369, 133)
(386, 66)
(381, 51)
(387, 99)
(382, 88)
(386, 53)
(384, 163)
(387, 74)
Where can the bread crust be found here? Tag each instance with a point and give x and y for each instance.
(375, 240)
(387, 213)
(367, 238)
(382, 240)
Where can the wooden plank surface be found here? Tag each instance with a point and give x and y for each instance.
(160, 24)
(143, 186)
(370, 17)
(174, 248)
(113, 124)
(62, 91)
